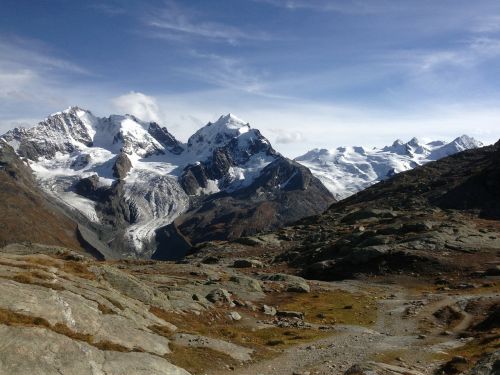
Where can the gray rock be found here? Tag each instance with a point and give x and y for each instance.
(134, 288)
(298, 288)
(375, 368)
(268, 310)
(237, 352)
(219, 295)
(48, 353)
(233, 315)
(247, 282)
(247, 263)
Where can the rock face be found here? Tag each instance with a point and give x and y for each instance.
(284, 192)
(410, 223)
(127, 180)
(347, 170)
(26, 213)
(72, 357)
(69, 315)
(122, 166)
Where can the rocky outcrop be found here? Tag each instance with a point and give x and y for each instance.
(162, 135)
(122, 166)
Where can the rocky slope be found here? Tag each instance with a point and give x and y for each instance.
(347, 170)
(127, 179)
(440, 217)
(27, 213)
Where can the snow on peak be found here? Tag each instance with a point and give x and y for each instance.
(465, 142)
(216, 134)
(347, 170)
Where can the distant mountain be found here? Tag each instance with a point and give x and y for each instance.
(126, 178)
(347, 170)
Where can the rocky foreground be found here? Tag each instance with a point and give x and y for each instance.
(238, 312)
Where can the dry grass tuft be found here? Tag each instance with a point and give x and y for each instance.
(105, 309)
(198, 360)
(336, 306)
(161, 330)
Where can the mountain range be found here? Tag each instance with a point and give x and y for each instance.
(143, 193)
(347, 170)
(133, 189)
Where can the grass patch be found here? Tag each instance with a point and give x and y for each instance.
(264, 341)
(161, 330)
(198, 360)
(474, 349)
(111, 346)
(336, 306)
(11, 318)
(27, 278)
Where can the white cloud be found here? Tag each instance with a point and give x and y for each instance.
(287, 137)
(138, 104)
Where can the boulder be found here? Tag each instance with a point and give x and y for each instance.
(292, 283)
(290, 314)
(219, 296)
(247, 263)
(247, 282)
(268, 310)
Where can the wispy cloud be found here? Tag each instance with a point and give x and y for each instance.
(340, 6)
(486, 24)
(32, 78)
(226, 72)
(174, 22)
(20, 52)
(109, 8)
(467, 54)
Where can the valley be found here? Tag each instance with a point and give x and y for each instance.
(120, 258)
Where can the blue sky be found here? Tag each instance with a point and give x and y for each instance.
(308, 73)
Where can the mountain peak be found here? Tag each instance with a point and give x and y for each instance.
(467, 141)
(72, 110)
(230, 121)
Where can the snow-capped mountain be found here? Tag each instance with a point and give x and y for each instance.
(347, 170)
(128, 178)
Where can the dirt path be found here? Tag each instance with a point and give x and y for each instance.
(349, 344)
(396, 332)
